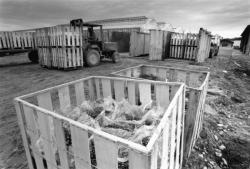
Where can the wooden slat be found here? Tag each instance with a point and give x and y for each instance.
(80, 147)
(173, 138)
(181, 76)
(60, 143)
(98, 90)
(33, 133)
(131, 92)
(194, 80)
(145, 93)
(44, 101)
(23, 134)
(106, 88)
(138, 160)
(64, 97)
(166, 145)
(154, 156)
(162, 74)
(91, 89)
(179, 131)
(106, 157)
(162, 95)
(119, 90)
(46, 134)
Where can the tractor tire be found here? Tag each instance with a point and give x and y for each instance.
(33, 56)
(92, 58)
(115, 57)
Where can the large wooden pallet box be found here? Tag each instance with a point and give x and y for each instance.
(37, 119)
(16, 40)
(60, 47)
(197, 84)
(61, 58)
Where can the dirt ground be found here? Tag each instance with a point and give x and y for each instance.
(226, 121)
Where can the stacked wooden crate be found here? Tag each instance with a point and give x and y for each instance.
(197, 83)
(16, 40)
(60, 47)
(185, 46)
(37, 119)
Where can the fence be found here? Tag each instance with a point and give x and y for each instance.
(186, 46)
(139, 43)
(17, 40)
(37, 120)
(60, 46)
(183, 46)
(197, 82)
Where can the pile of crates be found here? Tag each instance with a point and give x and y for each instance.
(60, 47)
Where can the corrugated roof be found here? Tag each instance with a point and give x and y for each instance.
(124, 19)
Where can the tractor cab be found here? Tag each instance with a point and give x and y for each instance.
(95, 49)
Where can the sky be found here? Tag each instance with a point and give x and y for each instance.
(227, 18)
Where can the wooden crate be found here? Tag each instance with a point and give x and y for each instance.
(37, 119)
(62, 58)
(197, 83)
(42, 38)
(59, 36)
(185, 46)
(6, 40)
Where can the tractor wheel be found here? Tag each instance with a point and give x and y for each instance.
(115, 57)
(92, 57)
(33, 56)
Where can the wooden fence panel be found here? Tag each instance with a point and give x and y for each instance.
(203, 45)
(183, 46)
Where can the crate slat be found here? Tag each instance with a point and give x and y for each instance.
(162, 95)
(145, 93)
(106, 86)
(80, 146)
(79, 90)
(61, 143)
(64, 98)
(173, 140)
(138, 160)
(44, 101)
(106, 157)
(19, 109)
(98, 89)
(119, 90)
(34, 135)
(165, 145)
(46, 134)
(131, 93)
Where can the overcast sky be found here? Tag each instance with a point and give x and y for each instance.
(225, 17)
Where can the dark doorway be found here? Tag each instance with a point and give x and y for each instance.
(123, 39)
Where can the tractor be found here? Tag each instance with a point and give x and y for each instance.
(95, 49)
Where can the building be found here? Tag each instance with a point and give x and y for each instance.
(245, 41)
(236, 41)
(119, 29)
(216, 39)
(226, 43)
